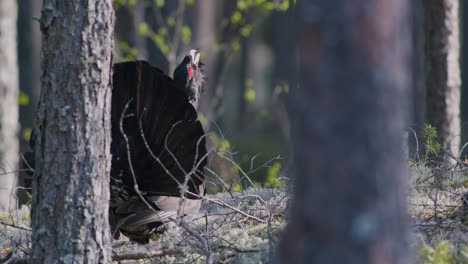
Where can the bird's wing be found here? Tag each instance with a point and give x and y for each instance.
(147, 216)
(183, 207)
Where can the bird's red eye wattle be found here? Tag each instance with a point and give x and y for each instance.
(189, 72)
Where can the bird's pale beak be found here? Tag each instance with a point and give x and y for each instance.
(195, 55)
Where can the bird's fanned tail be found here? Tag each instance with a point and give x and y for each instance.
(166, 144)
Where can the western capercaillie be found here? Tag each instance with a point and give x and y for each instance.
(165, 141)
(158, 146)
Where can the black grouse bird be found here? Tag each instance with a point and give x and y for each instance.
(154, 121)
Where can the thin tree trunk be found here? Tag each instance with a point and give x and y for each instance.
(9, 146)
(283, 71)
(418, 87)
(29, 40)
(464, 75)
(443, 81)
(128, 20)
(138, 17)
(243, 70)
(71, 185)
(205, 35)
(29, 50)
(348, 115)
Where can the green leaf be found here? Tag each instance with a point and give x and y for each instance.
(440, 253)
(132, 3)
(159, 3)
(268, 6)
(245, 30)
(237, 188)
(170, 21)
(131, 54)
(143, 29)
(202, 118)
(23, 99)
(430, 140)
(259, 2)
(242, 5)
(284, 6)
(236, 18)
(162, 31)
(26, 134)
(235, 45)
(160, 43)
(224, 145)
(273, 174)
(190, 2)
(118, 3)
(249, 95)
(186, 34)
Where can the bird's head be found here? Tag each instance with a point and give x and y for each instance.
(189, 76)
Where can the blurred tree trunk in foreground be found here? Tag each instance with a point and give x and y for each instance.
(71, 185)
(9, 145)
(442, 47)
(348, 114)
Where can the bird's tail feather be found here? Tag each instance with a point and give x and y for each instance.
(171, 139)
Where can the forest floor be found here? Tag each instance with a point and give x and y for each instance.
(438, 208)
(238, 227)
(244, 227)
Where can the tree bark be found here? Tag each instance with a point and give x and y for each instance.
(71, 185)
(9, 146)
(348, 113)
(442, 47)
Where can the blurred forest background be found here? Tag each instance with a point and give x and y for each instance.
(245, 46)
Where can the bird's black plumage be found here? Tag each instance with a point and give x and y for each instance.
(169, 125)
(153, 120)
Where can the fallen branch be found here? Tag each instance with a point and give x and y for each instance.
(152, 254)
(15, 226)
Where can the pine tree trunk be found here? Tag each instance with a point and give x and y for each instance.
(443, 81)
(206, 13)
(9, 146)
(71, 185)
(29, 50)
(29, 42)
(128, 19)
(418, 87)
(348, 114)
(464, 76)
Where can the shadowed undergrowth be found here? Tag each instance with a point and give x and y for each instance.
(240, 228)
